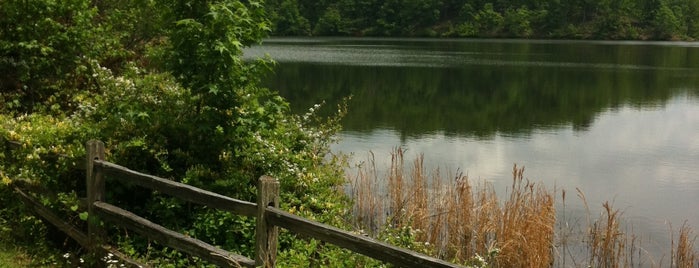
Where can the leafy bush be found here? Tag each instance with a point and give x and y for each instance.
(44, 47)
(176, 101)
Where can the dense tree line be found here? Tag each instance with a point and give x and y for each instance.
(578, 19)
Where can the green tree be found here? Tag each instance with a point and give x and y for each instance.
(614, 20)
(517, 22)
(407, 17)
(331, 23)
(46, 47)
(42, 44)
(579, 19)
(692, 18)
(313, 10)
(488, 21)
(360, 15)
(665, 22)
(288, 19)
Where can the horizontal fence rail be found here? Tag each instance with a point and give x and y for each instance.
(54, 219)
(357, 243)
(72, 231)
(176, 189)
(171, 238)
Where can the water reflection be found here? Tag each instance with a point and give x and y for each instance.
(481, 87)
(474, 101)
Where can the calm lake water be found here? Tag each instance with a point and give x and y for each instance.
(618, 120)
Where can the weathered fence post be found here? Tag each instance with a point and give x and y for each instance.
(95, 192)
(266, 233)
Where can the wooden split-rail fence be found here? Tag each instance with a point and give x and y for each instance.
(268, 219)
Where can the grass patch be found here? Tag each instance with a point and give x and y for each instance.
(11, 256)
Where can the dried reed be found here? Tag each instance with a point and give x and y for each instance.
(683, 254)
(606, 242)
(459, 221)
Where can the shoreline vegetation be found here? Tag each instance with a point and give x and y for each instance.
(547, 19)
(470, 224)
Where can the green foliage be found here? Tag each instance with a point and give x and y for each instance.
(50, 148)
(166, 89)
(407, 17)
(206, 43)
(46, 48)
(488, 21)
(313, 253)
(403, 235)
(520, 22)
(288, 20)
(42, 42)
(623, 19)
(136, 23)
(331, 23)
(665, 22)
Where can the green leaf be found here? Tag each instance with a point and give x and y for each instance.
(83, 216)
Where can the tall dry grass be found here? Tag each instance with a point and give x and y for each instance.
(683, 253)
(606, 241)
(459, 220)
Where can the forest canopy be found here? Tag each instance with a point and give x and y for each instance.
(569, 19)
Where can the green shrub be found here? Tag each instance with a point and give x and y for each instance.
(184, 107)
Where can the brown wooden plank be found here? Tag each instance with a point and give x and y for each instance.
(180, 190)
(171, 238)
(72, 231)
(33, 187)
(357, 243)
(13, 144)
(266, 233)
(94, 181)
(47, 214)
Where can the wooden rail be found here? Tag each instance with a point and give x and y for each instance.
(170, 238)
(52, 218)
(176, 189)
(357, 243)
(72, 231)
(269, 218)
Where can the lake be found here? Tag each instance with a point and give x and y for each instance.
(618, 120)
